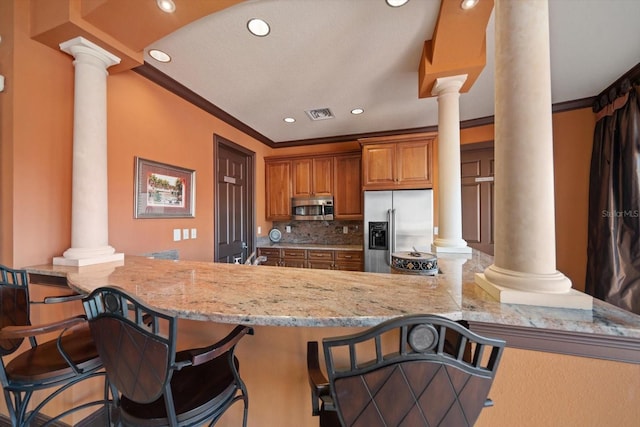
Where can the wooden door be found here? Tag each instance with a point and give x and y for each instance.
(477, 168)
(233, 228)
(278, 190)
(347, 194)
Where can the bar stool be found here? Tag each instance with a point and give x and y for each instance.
(402, 372)
(151, 383)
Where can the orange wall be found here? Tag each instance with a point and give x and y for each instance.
(143, 120)
(36, 113)
(572, 142)
(149, 122)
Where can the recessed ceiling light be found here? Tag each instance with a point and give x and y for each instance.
(166, 5)
(468, 4)
(258, 27)
(289, 119)
(159, 55)
(357, 111)
(397, 3)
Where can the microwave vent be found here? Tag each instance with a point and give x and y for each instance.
(320, 114)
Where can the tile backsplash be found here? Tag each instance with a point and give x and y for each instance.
(318, 232)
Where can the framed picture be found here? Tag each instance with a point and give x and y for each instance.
(163, 191)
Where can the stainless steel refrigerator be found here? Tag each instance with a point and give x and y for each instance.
(396, 221)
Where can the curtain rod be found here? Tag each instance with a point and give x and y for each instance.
(617, 88)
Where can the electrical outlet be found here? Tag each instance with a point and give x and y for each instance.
(259, 230)
(176, 234)
(185, 233)
(345, 229)
(194, 233)
(288, 229)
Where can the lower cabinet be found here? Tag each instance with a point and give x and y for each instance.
(272, 255)
(323, 259)
(293, 258)
(348, 261)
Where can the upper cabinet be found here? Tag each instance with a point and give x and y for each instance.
(347, 196)
(313, 176)
(337, 174)
(278, 189)
(399, 162)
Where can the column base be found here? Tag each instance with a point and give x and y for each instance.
(570, 299)
(78, 257)
(447, 246)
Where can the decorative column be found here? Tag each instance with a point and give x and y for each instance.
(524, 269)
(89, 210)
(449, 181)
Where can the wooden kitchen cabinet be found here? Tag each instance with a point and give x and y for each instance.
(313, 176)
(320, 259)
(278, 189)
(338, 175)
(394, 163)
(347, 193)
(272, 254)
(324, 259)
(294, 258)
(348, 261)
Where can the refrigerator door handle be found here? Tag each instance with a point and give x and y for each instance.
(391, 218)
(393, 231)
(389, 236)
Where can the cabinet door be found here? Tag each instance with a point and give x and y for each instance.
(294, 258)
(313, 176)
(348, 261)
(323, 176)
(414, 164)
(379, 166)
(272, 254)
(347, 194)
(302, 177)
(278, 190)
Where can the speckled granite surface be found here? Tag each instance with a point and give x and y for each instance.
(278, 296)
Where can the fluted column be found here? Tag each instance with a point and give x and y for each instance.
(449, 181)
(89, 210)
(524, 269)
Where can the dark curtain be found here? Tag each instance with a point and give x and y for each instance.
(613, 264)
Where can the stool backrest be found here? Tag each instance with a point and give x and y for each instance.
(136, 343)
(401, 373)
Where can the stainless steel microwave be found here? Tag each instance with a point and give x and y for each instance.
(314, 208)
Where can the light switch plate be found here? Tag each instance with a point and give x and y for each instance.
(345, 229)
(194, 233)
(176, 234)
(185, 233)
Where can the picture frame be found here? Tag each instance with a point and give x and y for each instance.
(163, 190)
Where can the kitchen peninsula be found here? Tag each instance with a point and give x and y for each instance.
(272, 296)
(289, 306)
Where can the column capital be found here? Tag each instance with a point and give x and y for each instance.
(448, 84)
(80, 45)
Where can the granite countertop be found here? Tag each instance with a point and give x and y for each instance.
(277, 296)
(313, 246)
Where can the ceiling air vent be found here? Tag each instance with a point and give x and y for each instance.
(320, 114)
